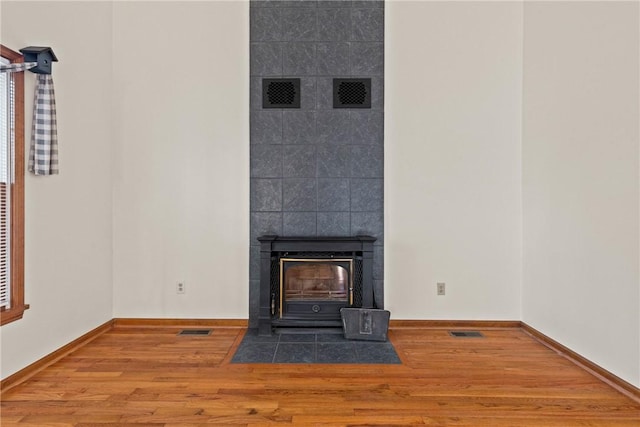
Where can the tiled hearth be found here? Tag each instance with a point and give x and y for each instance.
(312, 348)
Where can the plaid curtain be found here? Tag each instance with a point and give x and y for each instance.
(43, 153)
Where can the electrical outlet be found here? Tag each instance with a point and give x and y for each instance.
(441, 288)
(180, 288)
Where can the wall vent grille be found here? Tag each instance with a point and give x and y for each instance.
(351, 93)
(197, 332)
(280, 93)
(466, 334)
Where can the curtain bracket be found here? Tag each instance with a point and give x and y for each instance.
(44, 56)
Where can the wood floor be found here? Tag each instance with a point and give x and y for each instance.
(151, 377)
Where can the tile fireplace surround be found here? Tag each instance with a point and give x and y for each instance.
(316, 170)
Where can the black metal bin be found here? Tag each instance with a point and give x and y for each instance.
(365, 324)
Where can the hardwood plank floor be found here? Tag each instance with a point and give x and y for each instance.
(151, 377)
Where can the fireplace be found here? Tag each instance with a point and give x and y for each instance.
(305, 281)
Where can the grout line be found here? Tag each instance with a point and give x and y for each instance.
(315, 348)
(273, 359)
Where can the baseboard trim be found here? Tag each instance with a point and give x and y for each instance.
(455, 324)
(599, 372)
(25, 373)
(133, 322)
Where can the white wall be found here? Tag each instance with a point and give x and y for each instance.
(68, 216)
(452, 159)
(181, 177)
(580, 181)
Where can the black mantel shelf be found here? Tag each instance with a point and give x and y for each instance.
(337, 244)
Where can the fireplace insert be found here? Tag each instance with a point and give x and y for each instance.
(314, 288)
(305, 281)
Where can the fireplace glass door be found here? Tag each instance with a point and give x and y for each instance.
(315, 288)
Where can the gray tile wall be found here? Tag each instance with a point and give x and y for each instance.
(316, 171)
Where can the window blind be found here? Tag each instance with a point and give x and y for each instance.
(7, 125)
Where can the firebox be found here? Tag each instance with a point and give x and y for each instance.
(304, 282)
(315, 288)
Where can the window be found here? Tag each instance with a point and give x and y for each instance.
(12, 304)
